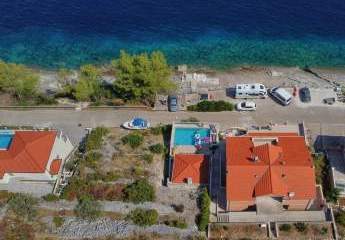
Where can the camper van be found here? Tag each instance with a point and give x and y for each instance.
(255, 90)
(281, 95)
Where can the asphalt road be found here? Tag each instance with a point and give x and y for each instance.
(327, 120)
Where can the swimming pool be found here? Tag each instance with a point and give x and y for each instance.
(5, 140)
(186, 136)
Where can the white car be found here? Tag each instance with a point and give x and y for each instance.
(246, 106)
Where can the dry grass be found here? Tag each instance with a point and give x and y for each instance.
(313, 231)
(237, 231)
(127, 162)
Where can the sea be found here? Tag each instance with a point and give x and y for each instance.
(217, 34)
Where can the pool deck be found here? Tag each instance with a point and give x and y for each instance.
(195, 125)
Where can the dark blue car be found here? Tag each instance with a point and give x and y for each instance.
(172, 103)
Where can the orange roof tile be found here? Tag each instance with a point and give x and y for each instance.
(279, 168)
(28, 153)
(55, 166)
(194, 166)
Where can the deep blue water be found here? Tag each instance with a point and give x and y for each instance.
(215, 33)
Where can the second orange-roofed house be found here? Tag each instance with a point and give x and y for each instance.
(277, 166)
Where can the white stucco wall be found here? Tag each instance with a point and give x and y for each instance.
(38, 183)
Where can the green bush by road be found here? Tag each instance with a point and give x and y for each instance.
(211, 106)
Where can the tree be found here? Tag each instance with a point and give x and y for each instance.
(332, 194)
(141, 77)
(139, 191)
(87, 208)
(204, 215)
(88, 86)
(18, 80)
(23, 206)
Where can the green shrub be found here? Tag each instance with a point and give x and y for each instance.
(45, 100)
(211, 106)
(50, 197)
(204, 204)
(301, 227)
(176, 223)
(340, 217)
(148, 158)
(110, 177)
(332, 194)
(156, 130)
(138, 171)
(320, 163)
(157, 148)
(285, 227)
(139, 191)
(190, 120)
(92, 158)
(23, 205)
(58, 221)
(143, 217)
(87, 208)
(94, 140)
(133, 139)
(324, 231)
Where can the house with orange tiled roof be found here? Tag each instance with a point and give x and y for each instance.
(31, 161)
(189, 152)
(190, 168)
(273, 169)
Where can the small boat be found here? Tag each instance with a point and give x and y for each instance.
(136, 124)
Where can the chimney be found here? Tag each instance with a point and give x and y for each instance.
(291, 194)
(255, 158)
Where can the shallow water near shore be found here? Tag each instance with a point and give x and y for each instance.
(217, 34)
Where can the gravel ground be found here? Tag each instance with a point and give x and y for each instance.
(76, 229)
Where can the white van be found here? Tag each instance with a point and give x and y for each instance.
(281, 95)
(255, 90)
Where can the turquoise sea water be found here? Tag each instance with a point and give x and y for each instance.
(217, 33)
(186, 136)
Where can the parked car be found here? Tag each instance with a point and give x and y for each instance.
(281, 95)
(172, 103)
(304, 94)
(246, 106)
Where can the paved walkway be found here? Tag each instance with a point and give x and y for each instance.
(287, 216)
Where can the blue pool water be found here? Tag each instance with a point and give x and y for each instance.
(186, 136)
(5, 140)
(217, 33)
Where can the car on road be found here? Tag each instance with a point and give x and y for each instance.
(246, 106)
(304, 94)
(281, 95)
(172, 103)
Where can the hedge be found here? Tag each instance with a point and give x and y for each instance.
(211, 106)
